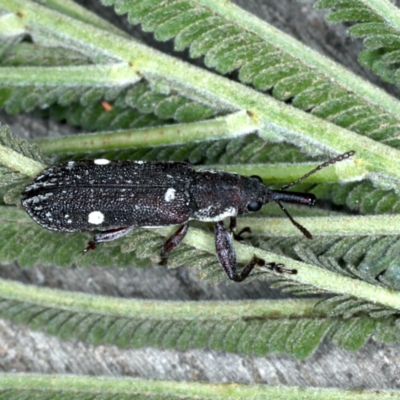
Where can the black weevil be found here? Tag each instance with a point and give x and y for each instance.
(116, 197)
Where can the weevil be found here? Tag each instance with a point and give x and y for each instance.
(115, 197)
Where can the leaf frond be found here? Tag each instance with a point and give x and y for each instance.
(145, 101)
(381, 36)
(82, 105)
(95, 117)
(348, 307)
(20, 146)
(359, 257)
(136, 324)
(227, 47)
(362, 197)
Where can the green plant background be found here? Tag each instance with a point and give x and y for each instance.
(267, 106)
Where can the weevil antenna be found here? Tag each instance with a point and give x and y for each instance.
(333, 160)
(301, 228)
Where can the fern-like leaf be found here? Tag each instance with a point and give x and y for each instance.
(359, 257)
(82, 106)
(137, 94)
(227, 47)
(137, 324)
(362, 197)
(381, 36)
(20, 146)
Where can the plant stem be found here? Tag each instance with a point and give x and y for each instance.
(326, 226)
(157, 309)
(19, 163)
(231, 125)
(81, 386)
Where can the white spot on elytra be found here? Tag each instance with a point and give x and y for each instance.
(169, 195)
(49, 216)
(102, 161)
(95, 217)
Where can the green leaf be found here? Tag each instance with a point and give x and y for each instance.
(134, 102)
(136, 324)
(354, 14)
(377, 23)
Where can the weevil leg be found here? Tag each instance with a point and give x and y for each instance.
(108, 236)
(173, 242)
(279, 268)
(232, 229)
(227, 258)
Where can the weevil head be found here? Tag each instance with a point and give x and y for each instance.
(254, 194)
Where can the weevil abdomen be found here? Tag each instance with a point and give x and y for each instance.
(102, 195)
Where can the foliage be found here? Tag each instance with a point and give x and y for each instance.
(70, 66)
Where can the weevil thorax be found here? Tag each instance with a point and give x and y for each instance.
(220, 194)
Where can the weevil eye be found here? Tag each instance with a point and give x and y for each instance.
(254, 206)
(257, 178)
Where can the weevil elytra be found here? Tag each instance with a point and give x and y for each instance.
(115, 197)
